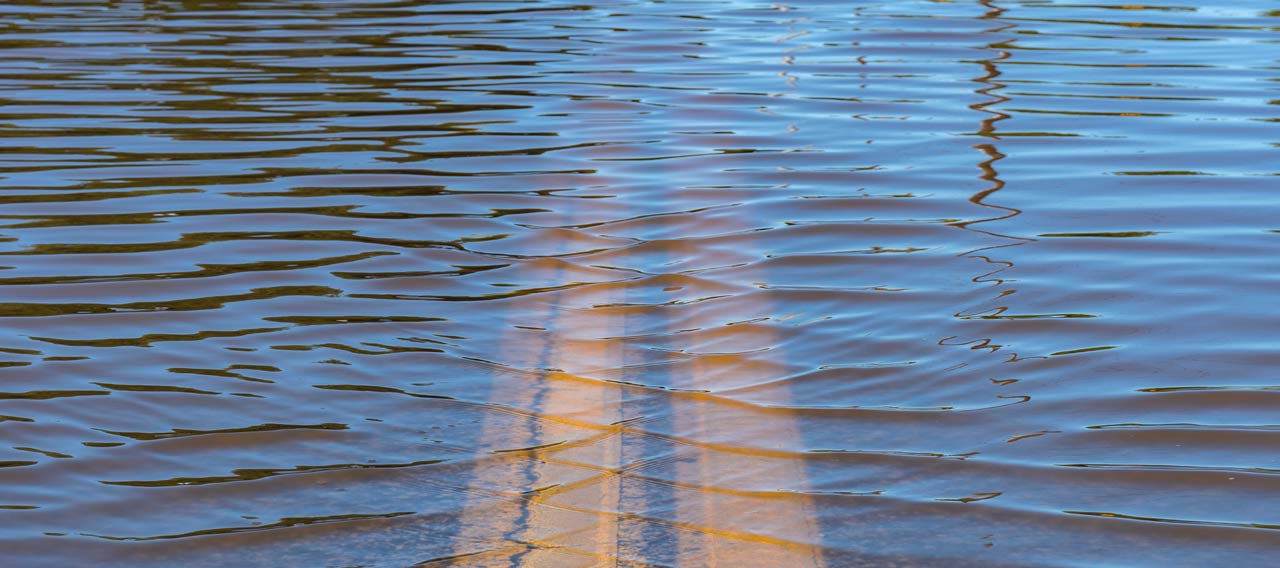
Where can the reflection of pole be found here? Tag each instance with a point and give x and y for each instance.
(988, 127)
(990, 88)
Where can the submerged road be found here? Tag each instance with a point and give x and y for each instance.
(639, 283)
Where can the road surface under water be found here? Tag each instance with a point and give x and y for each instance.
(639, 283)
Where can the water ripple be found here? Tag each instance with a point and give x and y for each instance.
(543, 283)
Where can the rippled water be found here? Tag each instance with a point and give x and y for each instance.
(719, 283)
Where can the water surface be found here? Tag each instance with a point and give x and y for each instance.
(639, 283)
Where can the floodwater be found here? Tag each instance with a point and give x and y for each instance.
(639, 283)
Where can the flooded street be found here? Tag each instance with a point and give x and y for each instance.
(724, 283)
